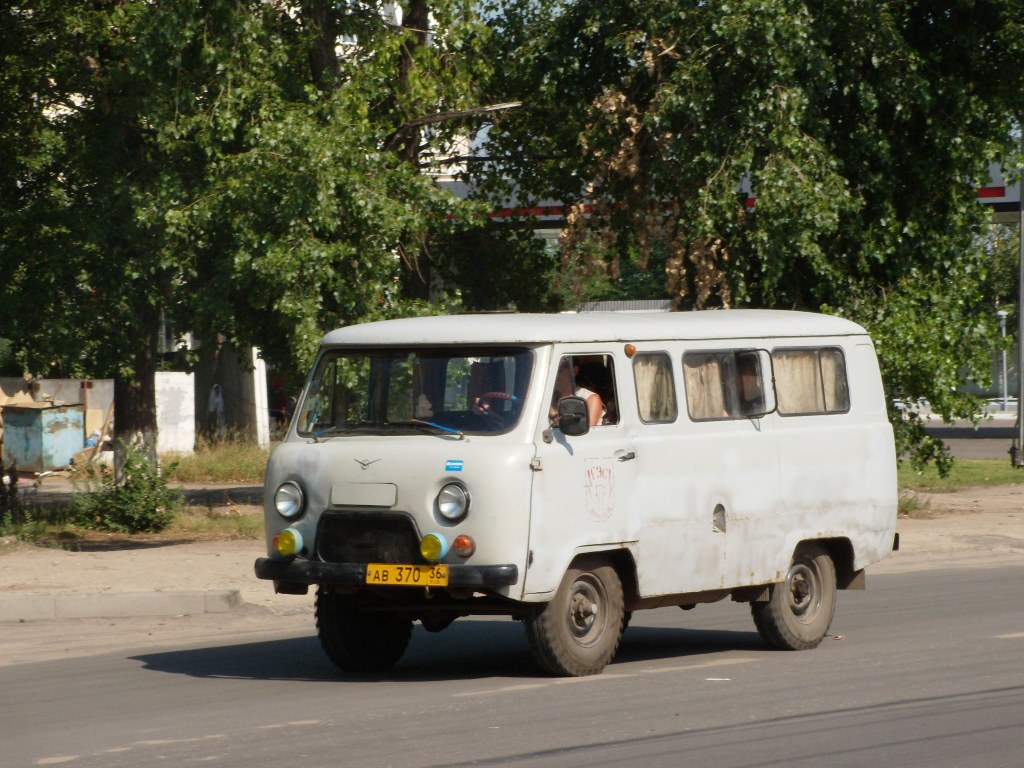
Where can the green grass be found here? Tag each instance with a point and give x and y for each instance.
(53, 525)
(233, 461)
(965, 474)
(228, 522)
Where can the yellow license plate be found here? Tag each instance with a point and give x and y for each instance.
(407, 575)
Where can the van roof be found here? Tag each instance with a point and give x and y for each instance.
(592, 327)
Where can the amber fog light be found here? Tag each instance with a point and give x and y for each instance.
(288, 542)
(433, 547)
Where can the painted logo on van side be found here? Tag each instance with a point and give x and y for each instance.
(599, 489)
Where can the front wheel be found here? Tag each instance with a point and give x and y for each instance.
(578, 632)
(799, 612)
(357, 640)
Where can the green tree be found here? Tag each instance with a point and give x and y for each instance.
(860, 129)
(248, 168)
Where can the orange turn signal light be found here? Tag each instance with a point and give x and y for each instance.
(464, 545)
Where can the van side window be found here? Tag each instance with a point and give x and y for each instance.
(584, 376)
(723, 385)
(811, 381)
(655, 388)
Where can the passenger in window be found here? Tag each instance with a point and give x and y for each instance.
(589, 384)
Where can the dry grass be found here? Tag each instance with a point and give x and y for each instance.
(230, 461)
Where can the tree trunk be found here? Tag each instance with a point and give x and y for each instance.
(416, 23)
(135, 396)
(322, 16)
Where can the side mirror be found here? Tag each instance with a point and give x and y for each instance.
(573, 419)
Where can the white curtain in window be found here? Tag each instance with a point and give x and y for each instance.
(655, 393)
(833, 374)
(798, 381)
(702, 376)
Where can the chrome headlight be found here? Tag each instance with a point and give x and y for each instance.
(453, 502)
(289, 500)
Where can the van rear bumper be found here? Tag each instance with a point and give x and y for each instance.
(354, 574)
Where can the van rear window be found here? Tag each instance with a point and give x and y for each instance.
(811, 381)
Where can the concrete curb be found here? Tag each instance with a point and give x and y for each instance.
(116, 605)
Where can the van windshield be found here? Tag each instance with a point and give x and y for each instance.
(415, 391)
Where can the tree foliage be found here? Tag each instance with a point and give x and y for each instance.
(247, 168)
(782, 153)
(266, 170)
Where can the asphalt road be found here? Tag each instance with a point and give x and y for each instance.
(922, 669)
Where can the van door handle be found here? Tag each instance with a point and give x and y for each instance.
(626, 456)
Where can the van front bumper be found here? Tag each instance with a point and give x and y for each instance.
(354, 574)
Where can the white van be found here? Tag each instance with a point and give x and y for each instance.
(567, 470)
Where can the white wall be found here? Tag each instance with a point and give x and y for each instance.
(175, 412)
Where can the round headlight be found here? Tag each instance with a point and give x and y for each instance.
(453, 502)
(289, 500)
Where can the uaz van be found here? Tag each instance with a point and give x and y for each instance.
(567, 470)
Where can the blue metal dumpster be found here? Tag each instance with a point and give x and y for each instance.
(39, 437)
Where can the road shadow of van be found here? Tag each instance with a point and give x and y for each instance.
(469, 649)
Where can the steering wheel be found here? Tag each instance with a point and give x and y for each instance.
(483, 403)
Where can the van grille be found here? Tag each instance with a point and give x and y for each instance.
(367, 538)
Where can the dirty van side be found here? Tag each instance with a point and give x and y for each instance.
(568, 470)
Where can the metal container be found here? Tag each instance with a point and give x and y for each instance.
(40, 437)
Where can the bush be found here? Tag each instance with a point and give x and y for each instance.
(140, 503)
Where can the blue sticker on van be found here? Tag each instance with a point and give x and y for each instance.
(453, 465)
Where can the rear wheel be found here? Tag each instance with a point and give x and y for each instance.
(578, 632)
(357, 640)
(799, 612)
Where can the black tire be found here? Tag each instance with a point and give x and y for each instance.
(578, 632)
(799, 612)
(357, 640)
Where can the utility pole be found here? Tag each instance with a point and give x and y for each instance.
(1018, 442)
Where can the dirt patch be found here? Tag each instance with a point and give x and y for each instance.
(987, 499)
(971, 528)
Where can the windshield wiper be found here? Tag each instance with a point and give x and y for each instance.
(442, 427)
(337, 429)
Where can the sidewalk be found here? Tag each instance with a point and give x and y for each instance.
(974, 528)
(137, 578)
(162, 579)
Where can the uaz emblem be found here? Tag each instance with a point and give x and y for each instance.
(364, 463)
